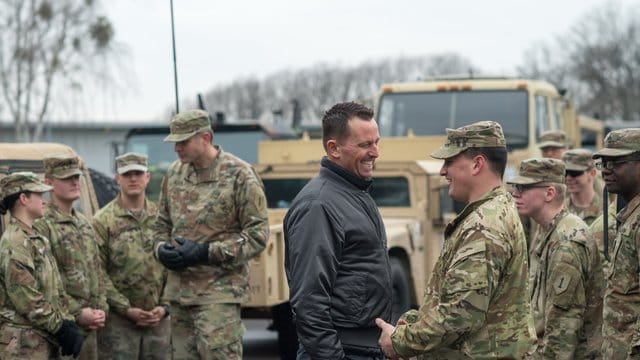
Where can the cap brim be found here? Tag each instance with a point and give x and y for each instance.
(67, 174)
(445, 152)
(179, 137)
(612, 152)
(523, 180)
(39, 188)
(132, 167)
(575, 167)
(553, 144)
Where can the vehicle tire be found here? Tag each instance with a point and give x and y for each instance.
(287, 337)
(106, 187)
(401, 290)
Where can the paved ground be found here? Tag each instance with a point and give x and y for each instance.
(259, 343)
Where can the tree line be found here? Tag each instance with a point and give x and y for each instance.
(46, 47)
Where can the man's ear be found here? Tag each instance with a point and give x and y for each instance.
(478, 163)
(333, 149)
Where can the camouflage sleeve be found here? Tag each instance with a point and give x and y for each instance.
(116, 301)
(162, 227)
(97, 275)
(464, 297)
(44, 228)
(252, 215)
(26, 295)
(565, 302)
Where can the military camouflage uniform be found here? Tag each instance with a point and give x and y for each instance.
(33, 303)
(73, 243)
(565, 276)
(134, 279)
(621, 326)
(580, 160)
(224, 206)
(475, 304)
(597, 229)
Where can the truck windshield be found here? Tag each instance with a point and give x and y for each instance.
(386, 191)
(243, 144)
(429, 113)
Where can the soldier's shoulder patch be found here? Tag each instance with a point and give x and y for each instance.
(561, 283)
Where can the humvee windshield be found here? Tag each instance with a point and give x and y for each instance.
(243, 144)
(386, 191)
(429, 113)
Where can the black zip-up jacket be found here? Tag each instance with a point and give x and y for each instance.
(337, 265)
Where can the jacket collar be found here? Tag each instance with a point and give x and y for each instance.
(360, 183)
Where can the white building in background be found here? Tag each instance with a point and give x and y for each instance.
(96, 143)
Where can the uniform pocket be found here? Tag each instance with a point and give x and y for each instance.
(21, 342)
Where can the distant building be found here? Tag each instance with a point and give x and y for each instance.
(96, 143)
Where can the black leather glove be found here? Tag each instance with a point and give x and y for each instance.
(192, 253)
(69, 338)
(170, 257)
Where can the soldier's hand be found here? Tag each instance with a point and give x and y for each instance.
(170, 257)
(154, 318)
(69, 338)
(384, 341)
(192, 253)
(137, 315)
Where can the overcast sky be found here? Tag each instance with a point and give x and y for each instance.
(219, 41)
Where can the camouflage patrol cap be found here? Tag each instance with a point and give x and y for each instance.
(186, 124)
(553, 138)
(21, 181)
(538, 170)
(578, 159)
(61, 166)
(476, 135)
(620, 143)
(131, 162)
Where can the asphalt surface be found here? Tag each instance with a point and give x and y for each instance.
(259, 343)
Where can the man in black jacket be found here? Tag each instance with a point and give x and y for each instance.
(336, 247)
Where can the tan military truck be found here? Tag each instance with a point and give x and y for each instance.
(411, 195)
(413, 201)
(28, 157)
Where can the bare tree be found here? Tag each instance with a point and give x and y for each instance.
(316, 88)
(43, 42)
(598, 60)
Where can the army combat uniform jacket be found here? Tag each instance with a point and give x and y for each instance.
(224, 206)
(32, 298)
(567, 286)
(588, 214)
(621, 326)
(475, 304)
(74, 246)
(134, 278)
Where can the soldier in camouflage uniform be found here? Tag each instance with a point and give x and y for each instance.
(583, 200)
(620, 165)
(33, 305)
(566, 277)
(212, 219)
(74, 246)
(137, 326)
(553, 144)
(597, 229)
(476, 303)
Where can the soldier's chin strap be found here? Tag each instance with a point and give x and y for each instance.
(605, 221)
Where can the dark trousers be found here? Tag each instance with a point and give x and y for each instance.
(302, 355)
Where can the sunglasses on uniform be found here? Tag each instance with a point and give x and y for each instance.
(574, 173)
(609, 164)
